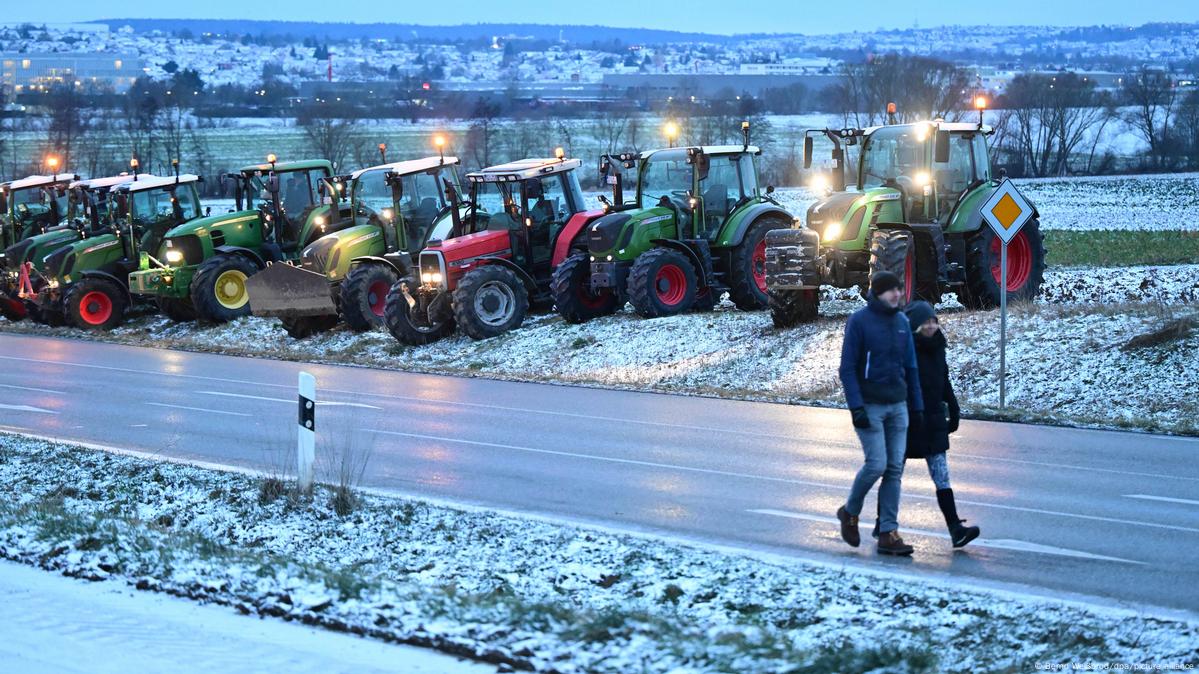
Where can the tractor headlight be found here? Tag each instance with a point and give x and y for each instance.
(832, 232)
(431, 278)
(174, 256)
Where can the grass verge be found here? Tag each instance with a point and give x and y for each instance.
(1119, 248)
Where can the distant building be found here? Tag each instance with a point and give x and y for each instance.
(703, 86)
(23, 73)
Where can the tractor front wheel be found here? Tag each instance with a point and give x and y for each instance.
(747, 278)
(490, 301)
(179, 310)
(218, 290)
(891, 250)
(304, 327)
(573, 297)
(409, 320)
(1025, 267)
(364, 295)
(95, 304)
(789, 308)
(662, 283)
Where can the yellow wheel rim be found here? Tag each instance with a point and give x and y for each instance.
(231, 289)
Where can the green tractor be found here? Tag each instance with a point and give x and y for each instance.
(32, 205)
(85, 283)
(200, 268)
(916, 212)
(396, 208)
(696, 229)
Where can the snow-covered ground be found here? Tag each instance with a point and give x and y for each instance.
(58, 625)
(526, 592)
(1069, 359)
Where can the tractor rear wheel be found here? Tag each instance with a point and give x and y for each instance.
(662, 283)
(747, 278)
(364, 295)
(573, 297)
(407, 322)
(891, 250)
(789, 308)
(179, 310)
(218, 290)
(303, 327)
(1025, 267)
(490, 301)
(95, 304)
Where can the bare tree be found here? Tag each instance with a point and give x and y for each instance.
(921, 88)
(480, 137)
(1153, 98)
(1053, 115)
(328, 135)
(67, 121)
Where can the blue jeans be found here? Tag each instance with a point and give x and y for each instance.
(884, 444)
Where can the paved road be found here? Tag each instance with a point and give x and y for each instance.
(1106, 514)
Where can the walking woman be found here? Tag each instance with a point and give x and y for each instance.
(941, 414)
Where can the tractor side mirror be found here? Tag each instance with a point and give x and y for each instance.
(807, 152)
(207, 211)
(3, 202)
(703, 163)
(941, 147)
(272, 183)
(770, 189)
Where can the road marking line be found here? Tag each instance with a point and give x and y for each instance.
(330, 403)
(1074, 467)
(1165, 499)
(200, 409)
(766, 478)
(997, 543)
(31, 388)
(139, 425)
(26, 408)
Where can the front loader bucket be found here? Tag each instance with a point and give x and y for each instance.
(287, 291)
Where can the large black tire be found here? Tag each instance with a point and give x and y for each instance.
(747, 277)
(789, 308)
(490, 301)
(407, 327)
(304, 327)
(179, 310)
(891, 250)
(662, 282)
(1026, 267)
(571, 290)
(95, 304)
(364, 295)
(228, 300)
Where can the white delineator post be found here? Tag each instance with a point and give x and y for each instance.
(306, 432)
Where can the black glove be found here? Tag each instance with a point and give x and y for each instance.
(916, 421)
(955, 418)
(860, 420)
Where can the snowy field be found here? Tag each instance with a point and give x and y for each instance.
(1118, 353)
(522, 592)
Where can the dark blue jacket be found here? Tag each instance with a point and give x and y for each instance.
(878, 358)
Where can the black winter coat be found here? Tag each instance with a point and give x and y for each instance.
(940, 404)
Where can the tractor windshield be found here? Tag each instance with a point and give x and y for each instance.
(497, 205)
(153, 205)
(895, 153)
(665, 174)
(372, 194)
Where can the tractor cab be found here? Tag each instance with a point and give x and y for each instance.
(152, 206)
(32, 205)
(91, 204)
(284, 194)
(703, 186)
(407, 200)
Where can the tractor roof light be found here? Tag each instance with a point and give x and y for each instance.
(134, 164)
(271, 159)
(671, 131)
(52, 162)
(559, 154)
(383, 152)
(980, 102)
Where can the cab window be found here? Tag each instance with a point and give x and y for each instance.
(297, 190)
(422, 200)
(721, 190)
(548, 212)
(954, 176)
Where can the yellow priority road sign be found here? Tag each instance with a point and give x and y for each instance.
(1006, 211)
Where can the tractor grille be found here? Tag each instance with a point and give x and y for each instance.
(604, 234)
(193, 251)
(54, 262)
(15, 254)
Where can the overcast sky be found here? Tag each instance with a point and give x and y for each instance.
(710, 16)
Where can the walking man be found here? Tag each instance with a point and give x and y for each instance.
(878, 373)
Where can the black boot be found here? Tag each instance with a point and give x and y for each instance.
(958, 531)
(877, 517)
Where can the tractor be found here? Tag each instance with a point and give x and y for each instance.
(32, 205)
(695, 230)
(396, 208)
(88, 213)
(521, 220)
(916, 212)
(85, 283)
(201, 267)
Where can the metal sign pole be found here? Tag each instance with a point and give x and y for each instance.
(1003, 326)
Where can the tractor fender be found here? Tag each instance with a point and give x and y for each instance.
(401, 265)
(974, 218)
(524, 276)
(754, 214)
(700, 267)
(122, 284)
(244, 252)
(575, 227)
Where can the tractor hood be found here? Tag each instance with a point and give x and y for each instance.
(325, 253)
(37, 246)
(490, 242)
(55, 264)
(844, 207)
(208, 223)
(614, 230)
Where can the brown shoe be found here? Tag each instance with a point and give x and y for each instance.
(849, 527)
(890, 543)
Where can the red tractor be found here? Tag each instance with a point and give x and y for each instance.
(521, 220)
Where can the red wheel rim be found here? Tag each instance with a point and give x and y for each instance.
(376, 296)
(1019, 261)
(909, 275)
(670, 284)
(95, 308)
(759, 264)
